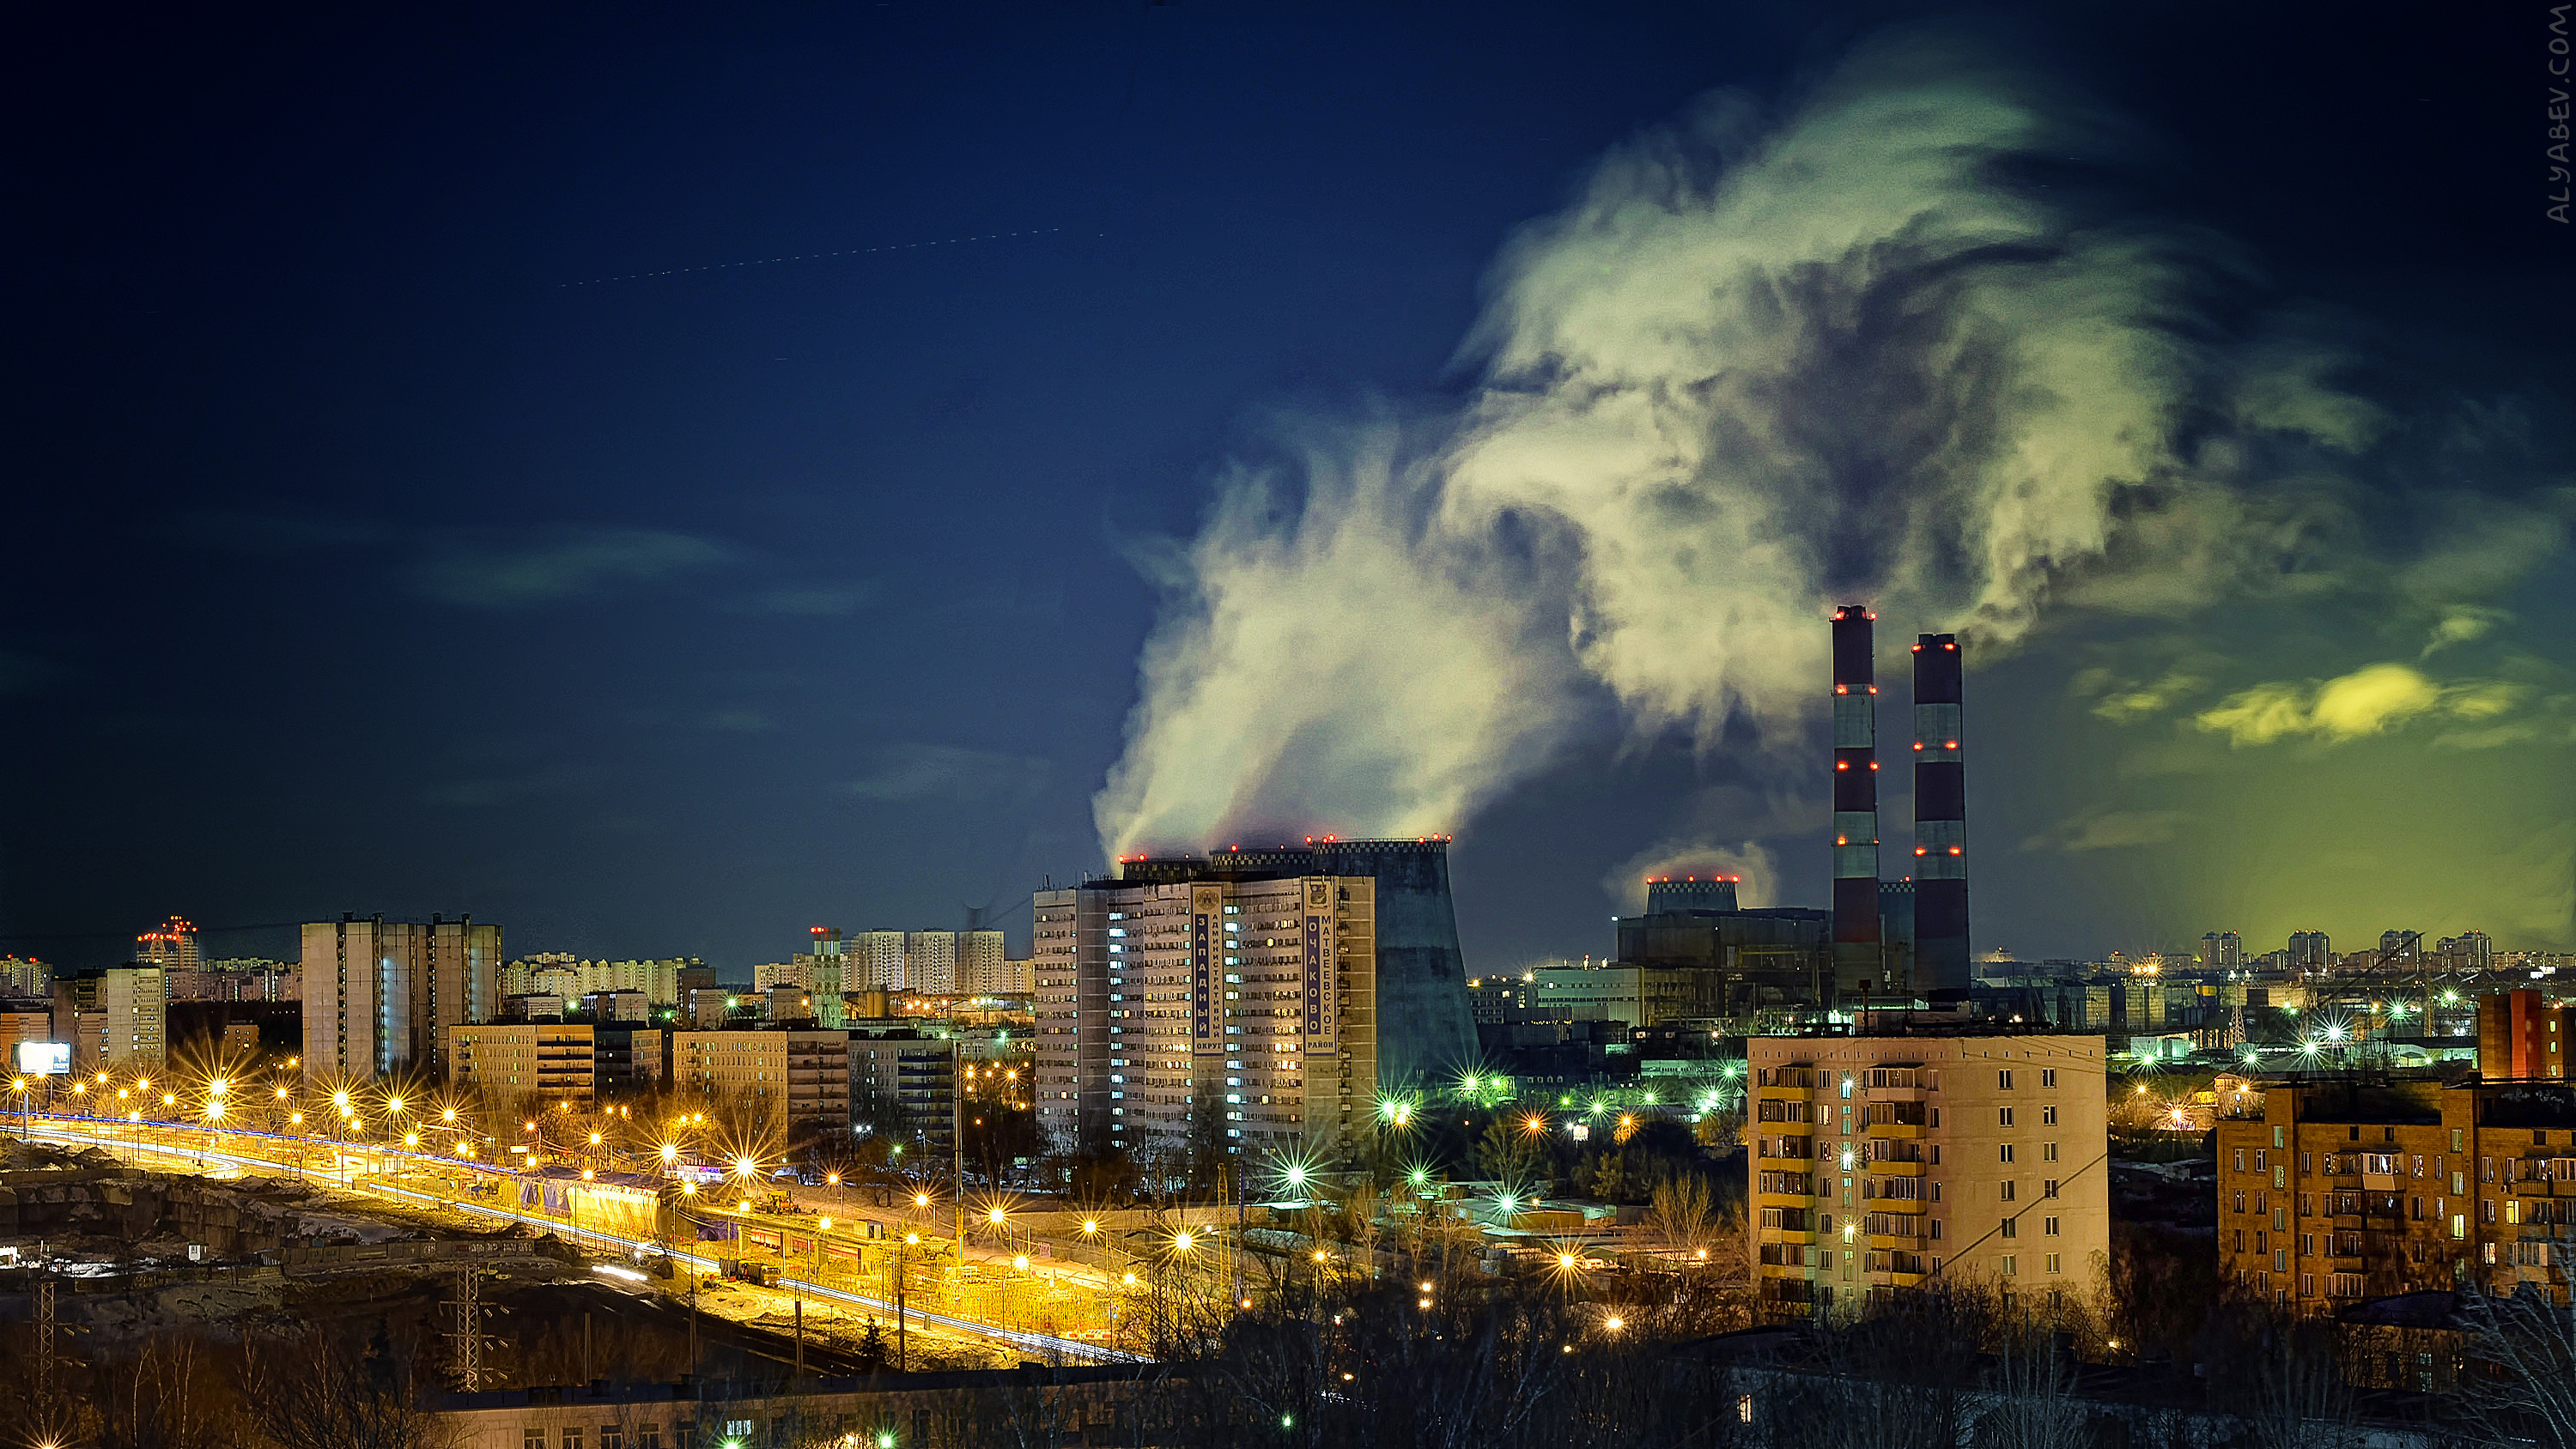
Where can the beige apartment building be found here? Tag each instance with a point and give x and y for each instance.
(795, 1082)
(545, 1060)
(1240, 1012)
(1926, 1150)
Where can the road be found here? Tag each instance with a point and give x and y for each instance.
(194, 1148)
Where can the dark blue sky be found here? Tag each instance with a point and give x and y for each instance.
(368, 552)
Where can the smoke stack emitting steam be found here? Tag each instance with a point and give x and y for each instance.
(1679, 444)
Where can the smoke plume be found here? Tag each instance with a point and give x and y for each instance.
(1876, 346)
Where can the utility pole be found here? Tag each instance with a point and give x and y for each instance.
(957, 1130)
(800, 1344)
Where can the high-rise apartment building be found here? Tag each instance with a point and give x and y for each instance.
(536, 1064)
(113, 1017)
(2332, 1189)
(384, 996)
(2222, 950)
(930, 962)
(25, 977)
(876, 961)
(793, 1082)
(979, 963)
(1920, 1151)
(2310, 950)
(172, 948)
(1175, 1015)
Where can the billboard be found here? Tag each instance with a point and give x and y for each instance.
(45, 1058)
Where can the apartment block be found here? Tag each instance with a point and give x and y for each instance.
(385, 996)
(544, 1062)
(1922, 1150)
(904, 1082)
(1239, 1010)
(876, 961)
(795, 1082)
(2339, 1187)
(113, 1017)
(930, 962)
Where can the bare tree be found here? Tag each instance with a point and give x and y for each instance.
(2033, 1387)
(2520, 1380)
(1680, 1211)
(321, 1392)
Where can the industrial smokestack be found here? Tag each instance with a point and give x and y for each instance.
(1858, 960)
(1941, 970)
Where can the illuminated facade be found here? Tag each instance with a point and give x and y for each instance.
(2335, 1188)
(1885, 1162)
(172, 948)
(382, 996)
(1237, 1013)
(546, 1061)
(795, 1081)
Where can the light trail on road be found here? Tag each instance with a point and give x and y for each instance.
(54, 1129)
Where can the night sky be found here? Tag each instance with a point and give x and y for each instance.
(476, 462)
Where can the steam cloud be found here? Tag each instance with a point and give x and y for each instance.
(1753, 366)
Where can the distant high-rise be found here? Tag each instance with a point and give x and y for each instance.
(1259, 1028)
(114, 1017)
(172, 948)
(876, 961)
(1942, 967)
(1426, 1029)
(930, 962)
(979, 962)
(2222, 950)
(1860, 963)
(2310, 949)
(385, 996)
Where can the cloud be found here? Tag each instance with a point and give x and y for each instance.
(1626, 882)
(2110, 830)
(2462, 624)
(912, 772)
(491, 568)
(2127, 705)
(2491, 738)
(502, 572)
(1754, 368)
(2370, 700)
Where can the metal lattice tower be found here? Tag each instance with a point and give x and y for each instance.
(45, 1341)
(468, 1334)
